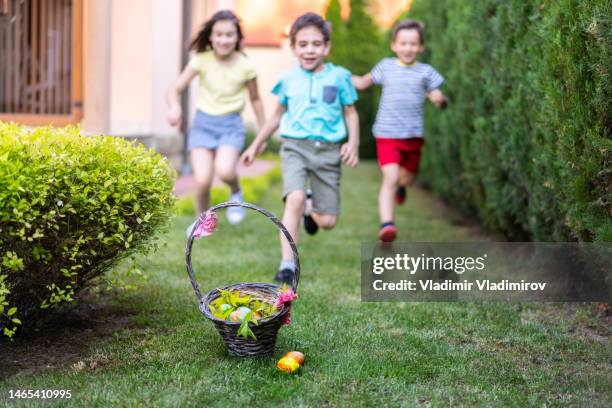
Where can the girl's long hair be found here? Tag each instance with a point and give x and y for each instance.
(202, 42)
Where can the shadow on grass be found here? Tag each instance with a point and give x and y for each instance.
(66, 336)
(442, 209)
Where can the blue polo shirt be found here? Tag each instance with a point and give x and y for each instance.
(315, 102)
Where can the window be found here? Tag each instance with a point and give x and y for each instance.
(40, 61)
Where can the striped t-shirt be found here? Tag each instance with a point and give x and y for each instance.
(404, 87)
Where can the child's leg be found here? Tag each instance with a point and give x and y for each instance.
(410, 156)
(294, 209)
(406, 177)
(325, 221)
(410, 160)
(325, 183)
(226, 162)
(202, 161)
(295, 175)
(386, 196)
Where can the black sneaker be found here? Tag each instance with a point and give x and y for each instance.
(400, 195)
(310, 225)
(285, 276)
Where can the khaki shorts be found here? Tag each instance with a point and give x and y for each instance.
(315, 161)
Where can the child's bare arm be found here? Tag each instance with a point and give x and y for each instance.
(174, 113)
(350, 150)
(437, 98)
(256, 103)
(264, 134)
(362, 83)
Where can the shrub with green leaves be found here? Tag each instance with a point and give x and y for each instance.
(525, 143)
(71, 207)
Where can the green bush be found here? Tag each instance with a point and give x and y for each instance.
(357, 46)
(71, 207)
(525, 143)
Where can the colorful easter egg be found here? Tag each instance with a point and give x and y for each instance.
(243, 311)
(288, 365)
(299, 357)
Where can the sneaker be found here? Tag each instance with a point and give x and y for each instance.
(400, 195)
(189, 228)
(235, 215)
(310, 225)
(285, 276)
(387, 233)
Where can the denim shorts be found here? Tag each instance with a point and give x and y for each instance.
(212, 131)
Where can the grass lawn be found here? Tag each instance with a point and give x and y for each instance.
(158, 350)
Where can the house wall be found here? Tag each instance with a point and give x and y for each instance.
(131, 55)
(166, 66)
(131, 65)
(96, 66)
(269, 62)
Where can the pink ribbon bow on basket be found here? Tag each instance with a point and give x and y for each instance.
(287, 295)
(207, 227)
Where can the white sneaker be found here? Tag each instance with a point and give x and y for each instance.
(235, 215)
(189, 228)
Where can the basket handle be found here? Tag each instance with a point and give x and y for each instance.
(270, 216)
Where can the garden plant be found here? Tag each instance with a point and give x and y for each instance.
(72, 207)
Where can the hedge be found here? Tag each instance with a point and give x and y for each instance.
(70, 208)
(357, 46)
(525, 143)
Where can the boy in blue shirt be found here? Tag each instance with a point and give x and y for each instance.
(315, 111)
(399, 122)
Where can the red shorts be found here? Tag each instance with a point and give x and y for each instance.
(405, 152)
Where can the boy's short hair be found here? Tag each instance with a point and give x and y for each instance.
(310, 19)
(410, 25)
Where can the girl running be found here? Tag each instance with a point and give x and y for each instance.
(217, 134)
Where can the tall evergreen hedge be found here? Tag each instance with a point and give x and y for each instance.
(525, 143)
(356, 45)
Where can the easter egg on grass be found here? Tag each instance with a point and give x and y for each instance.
(288, 365)
(299, 357)
(225, 307)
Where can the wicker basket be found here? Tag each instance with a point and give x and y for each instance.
(267, 328)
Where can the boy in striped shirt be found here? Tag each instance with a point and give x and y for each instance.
(399, 122)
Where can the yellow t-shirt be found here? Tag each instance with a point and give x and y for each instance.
(222, 88)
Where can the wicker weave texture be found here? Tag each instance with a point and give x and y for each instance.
(267, 328)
